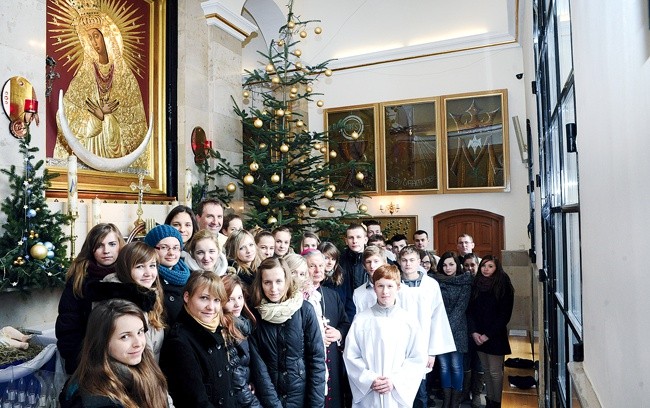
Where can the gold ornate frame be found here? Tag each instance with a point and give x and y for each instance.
(116, 184)
(365, 120)
(475, 142)
(410, 147)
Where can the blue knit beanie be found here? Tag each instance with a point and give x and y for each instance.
(160, 232)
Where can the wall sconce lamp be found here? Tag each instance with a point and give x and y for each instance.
(390, 208)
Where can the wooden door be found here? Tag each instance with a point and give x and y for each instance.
(485, 227)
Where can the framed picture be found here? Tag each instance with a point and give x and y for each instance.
(410, 147)
(475, 139)
(353, 135)
(110, 56)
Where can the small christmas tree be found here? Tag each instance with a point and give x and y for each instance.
(33, 248)
(286, 176)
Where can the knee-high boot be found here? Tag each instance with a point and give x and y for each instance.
(477, 387)
(456, 398)
(467, 383)
(446, 401)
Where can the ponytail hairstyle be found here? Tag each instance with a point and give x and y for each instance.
(139, 386)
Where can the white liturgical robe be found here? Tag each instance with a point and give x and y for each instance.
(384, 342)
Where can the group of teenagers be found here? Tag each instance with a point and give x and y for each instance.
(203, 313)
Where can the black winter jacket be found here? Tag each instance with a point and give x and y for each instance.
(239, 359)
(288, 361)
(195, 362)
(352, 264)
(173, 301)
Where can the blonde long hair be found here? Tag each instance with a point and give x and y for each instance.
(140, 386)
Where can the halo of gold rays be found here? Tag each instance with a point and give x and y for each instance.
(62, 15)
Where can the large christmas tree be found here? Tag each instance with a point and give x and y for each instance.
(286, 176)
(33, 247)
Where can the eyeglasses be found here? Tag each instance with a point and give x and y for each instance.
(167, 248)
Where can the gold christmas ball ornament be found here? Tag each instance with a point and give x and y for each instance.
(270, 68)
(298, 65)
(271, 220)
(333, 154)
(360, 176)
(262, 146)
(317, 146)
(249, 179)
(275, 80)
(313, 212)
(280, 195)
(331, 208)
(323, 149)
(231, 187)
(354, 135)
(328, 193)
(328, 72)
(309, 89)
(303, 34)
(284, 148)
(279, 113)
(254, 166)
(275, 178)
(300, 123)
(319, 166)
(291, 24)
(318, 30)
(264, 201)
(293, 95)
(332, 187)
(302, 207)
(297, 53)
(363, 208)
(288, 113)
(281, 43)
(294, 90)
(258, 123)
(246, 94)
(38, 251)
(320, 103)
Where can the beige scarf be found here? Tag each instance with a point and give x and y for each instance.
(280, 312)
(212, 326)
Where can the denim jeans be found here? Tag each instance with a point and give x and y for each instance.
(451, 370)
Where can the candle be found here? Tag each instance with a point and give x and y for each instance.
(73, 205)
(97, 215)
(31, 105)
(188, 188)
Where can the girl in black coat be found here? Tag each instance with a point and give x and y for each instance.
(95, 260)
(194, 356)
(488, 313)
(287, 353)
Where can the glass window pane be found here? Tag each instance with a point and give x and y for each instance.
(559, 257)
(562, 347)
(552, 64)
(556, 171)
(570, 160)
(564, 40)
(574, 290)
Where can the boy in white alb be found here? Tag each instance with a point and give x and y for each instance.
(424, 301)
(364, 296)
(384, 355)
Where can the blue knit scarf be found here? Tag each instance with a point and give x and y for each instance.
(176, 275)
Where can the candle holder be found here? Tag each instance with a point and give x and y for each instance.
(73, 233)
(390, 208)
